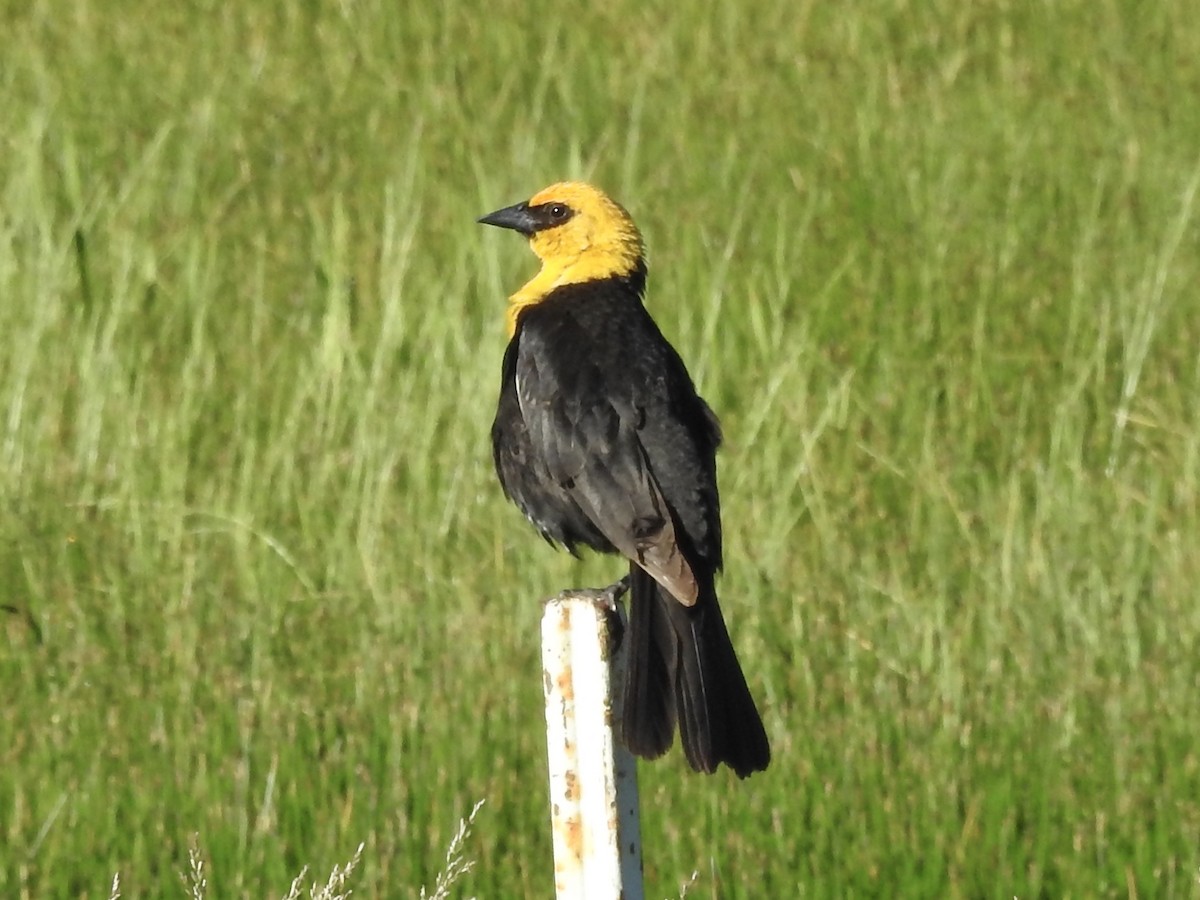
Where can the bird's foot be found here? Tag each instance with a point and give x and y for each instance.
(605, 599)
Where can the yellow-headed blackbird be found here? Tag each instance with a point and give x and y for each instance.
(601, 440)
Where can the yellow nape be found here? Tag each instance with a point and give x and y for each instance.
(598, 241)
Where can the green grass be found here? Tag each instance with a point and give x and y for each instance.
(934, 265)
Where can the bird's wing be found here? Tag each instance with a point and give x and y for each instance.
(524, 476)
(587, 435)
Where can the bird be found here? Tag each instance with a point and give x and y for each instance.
(602, 441)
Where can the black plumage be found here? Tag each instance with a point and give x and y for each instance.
(602, 441)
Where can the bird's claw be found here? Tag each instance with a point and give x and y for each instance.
(607, 599)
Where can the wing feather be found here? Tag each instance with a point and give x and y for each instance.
(590, 444)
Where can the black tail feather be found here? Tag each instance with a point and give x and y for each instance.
(682, 667)
(648, 717)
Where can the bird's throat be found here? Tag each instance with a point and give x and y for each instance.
(537, 288)
(555, 273)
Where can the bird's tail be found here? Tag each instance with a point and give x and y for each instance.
(682, 667)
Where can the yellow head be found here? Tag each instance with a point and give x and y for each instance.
(578, 232)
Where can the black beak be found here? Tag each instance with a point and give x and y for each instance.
(518, 218)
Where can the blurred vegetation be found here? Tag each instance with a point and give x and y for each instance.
(933, 265)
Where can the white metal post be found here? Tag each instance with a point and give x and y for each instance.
(593, 779)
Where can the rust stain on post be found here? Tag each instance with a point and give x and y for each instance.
(593, 780)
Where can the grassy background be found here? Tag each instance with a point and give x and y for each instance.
(935, 265)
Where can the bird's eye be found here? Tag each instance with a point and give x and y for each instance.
(558, 212)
